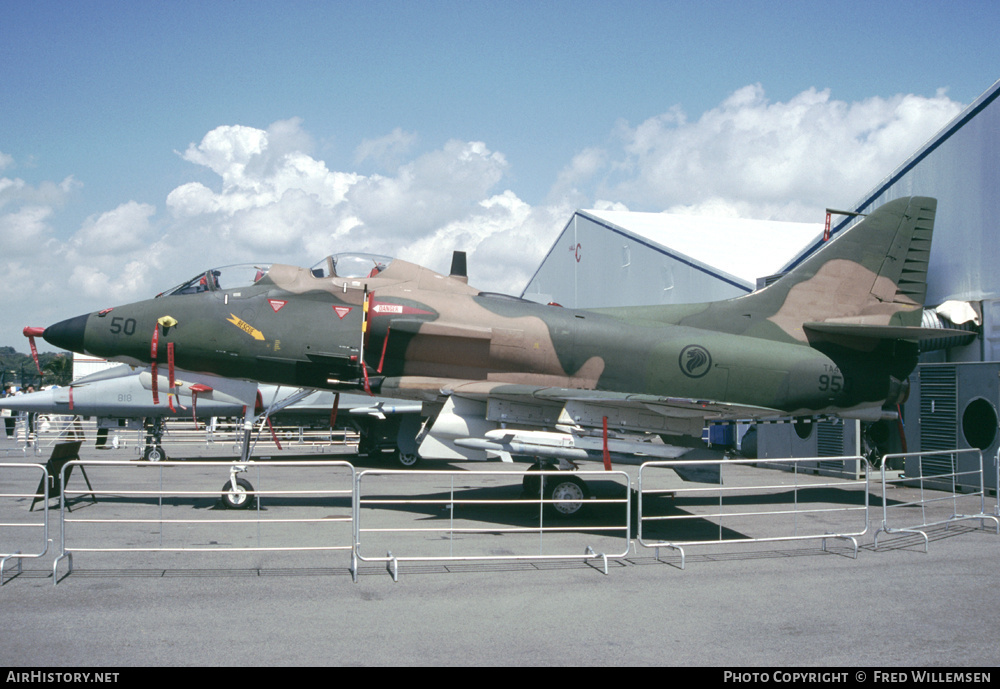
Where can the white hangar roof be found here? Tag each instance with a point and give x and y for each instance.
(743, 249)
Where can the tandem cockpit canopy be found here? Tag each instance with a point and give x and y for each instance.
(226, 277)
(346, 265)
(351, 265)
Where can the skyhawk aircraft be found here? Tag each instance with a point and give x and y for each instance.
(499, 376)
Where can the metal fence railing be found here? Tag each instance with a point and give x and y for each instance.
(36, 433)
(450, 516)
(463, 516)
(27, 537)
(959, 492)
(152, 507)
(748, 506)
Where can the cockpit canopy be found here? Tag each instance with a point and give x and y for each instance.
(346, 265)
(351, 265)
(226, 277)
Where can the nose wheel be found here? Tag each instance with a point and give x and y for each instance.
(154, 453)
(238, 495)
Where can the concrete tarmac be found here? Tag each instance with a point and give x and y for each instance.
(770, 604)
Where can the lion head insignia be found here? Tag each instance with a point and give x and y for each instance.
(695, 361)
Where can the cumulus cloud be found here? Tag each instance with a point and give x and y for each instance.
(26, 211)
(388, 151)
(757, 158)
(278, 200)
(23, 231)
(125, 228)
(127, 283)
(15, 192)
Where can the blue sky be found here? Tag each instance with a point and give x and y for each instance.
(142, 141)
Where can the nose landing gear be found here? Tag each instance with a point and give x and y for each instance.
(238, 493)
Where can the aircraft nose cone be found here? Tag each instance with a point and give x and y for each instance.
(67, 334)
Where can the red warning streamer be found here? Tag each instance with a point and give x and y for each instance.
(333, 412)
(195, 389)
(607, 455)
(274, 435)
(31, 333)
(385, 345)
(153, 347)
(170, 376)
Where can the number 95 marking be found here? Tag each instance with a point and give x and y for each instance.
(831, 383)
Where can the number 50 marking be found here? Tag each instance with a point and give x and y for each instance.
(122, 325)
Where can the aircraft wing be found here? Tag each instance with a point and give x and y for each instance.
(439, 389)
(498, 418)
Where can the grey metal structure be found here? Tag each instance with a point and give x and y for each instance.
(954, 406)
(621, 258)
(828, 440)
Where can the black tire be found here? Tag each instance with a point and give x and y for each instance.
(240, 499)
(568, 488)
(407, 460)
(532, 484)
(154, 453)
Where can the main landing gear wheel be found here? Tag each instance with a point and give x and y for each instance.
(570, 491)
(240, 497)
(531, 484)
(407, 460)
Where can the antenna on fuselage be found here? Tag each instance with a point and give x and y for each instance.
(459, 271)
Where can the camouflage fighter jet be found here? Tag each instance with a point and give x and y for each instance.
(501, 376)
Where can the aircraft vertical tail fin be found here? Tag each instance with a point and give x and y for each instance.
(873, 274)
(904, 270)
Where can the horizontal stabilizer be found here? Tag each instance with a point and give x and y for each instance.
(867, 331)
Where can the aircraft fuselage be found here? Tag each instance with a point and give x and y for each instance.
(292, 327)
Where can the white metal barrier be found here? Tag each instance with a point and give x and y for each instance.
(928, 516)
(444, 522)
(24, 434)
(742, 499)
(289, 437)
(123, 488)
(13, 546)
(455, 516)
(10, 430)
(39, 431)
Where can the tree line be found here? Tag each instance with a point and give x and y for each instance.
(18, 369)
